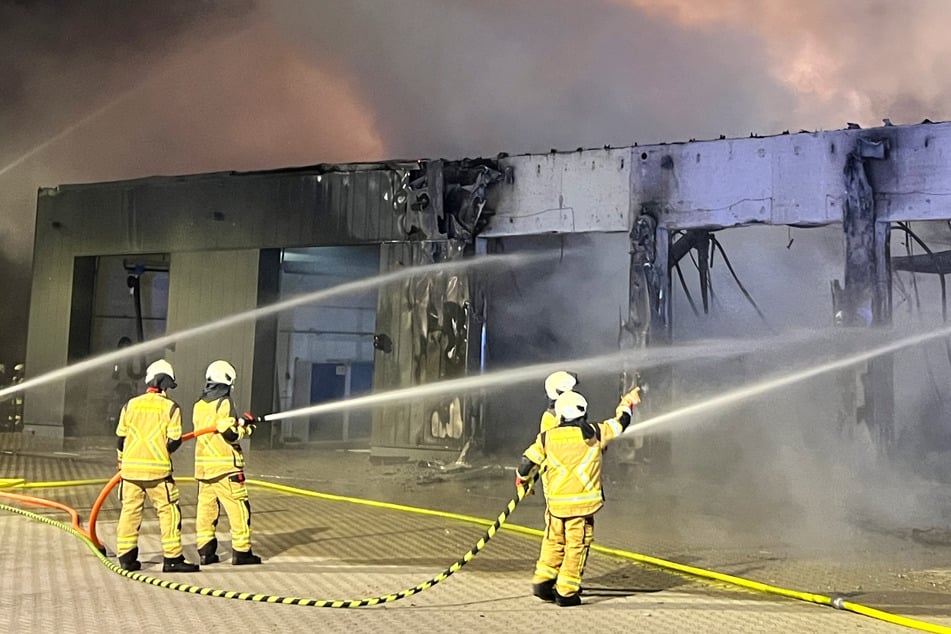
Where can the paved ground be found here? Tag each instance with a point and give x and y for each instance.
(340, 550)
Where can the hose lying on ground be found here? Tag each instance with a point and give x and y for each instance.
(493, 527)
(96, 547)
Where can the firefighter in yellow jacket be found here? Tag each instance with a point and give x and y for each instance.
(219, 467)
(149, 431)
(571, 453)
(556, 384)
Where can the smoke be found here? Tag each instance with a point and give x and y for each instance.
(853, 60)
(455, 78)
(108, 90)
(559, 308)
(186, 86)
(62, 61)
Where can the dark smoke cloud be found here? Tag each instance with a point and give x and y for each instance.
(61, 61)
(458, 78)
(59, 57)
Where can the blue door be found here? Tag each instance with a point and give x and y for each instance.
(327, 383)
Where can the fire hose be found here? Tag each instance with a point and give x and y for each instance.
(92, 542)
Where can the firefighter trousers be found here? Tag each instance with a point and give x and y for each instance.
(164, 496)
(564, 554)
(231, 493)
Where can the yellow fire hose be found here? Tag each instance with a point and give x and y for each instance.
(92, 543)
(493, 528)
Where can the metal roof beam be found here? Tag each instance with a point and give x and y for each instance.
(788, 179)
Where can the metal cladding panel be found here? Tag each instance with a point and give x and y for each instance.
(423, 317)
(574, 192)
(47, 340)
(393, 424)
(205, 286)
(227, 211)
(81, 221)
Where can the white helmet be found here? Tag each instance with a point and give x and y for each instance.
(558, 383)
(571, 406)
(159, 367)
(221, 372)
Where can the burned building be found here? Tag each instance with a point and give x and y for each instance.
(120, 262)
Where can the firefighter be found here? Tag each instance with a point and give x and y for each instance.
(572, 455)
(219, 467)
(149, 431)
(556, 384)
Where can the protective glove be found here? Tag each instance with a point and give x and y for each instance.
(248, 422)
(628, 402)
(520, 483)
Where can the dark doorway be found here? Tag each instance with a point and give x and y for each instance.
(117, 301)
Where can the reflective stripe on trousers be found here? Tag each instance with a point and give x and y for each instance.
(564, 553)
(164, 497)
(231, 495)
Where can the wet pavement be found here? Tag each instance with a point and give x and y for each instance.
(336, 549)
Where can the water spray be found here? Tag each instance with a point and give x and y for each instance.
(68, 130)
(264, 311)
(741, 394)
(642, 358)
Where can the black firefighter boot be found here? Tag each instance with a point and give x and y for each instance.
(567, 602)
(544, 590)
(178, 564)
(207, 554)
(130, 560)
(242, 558)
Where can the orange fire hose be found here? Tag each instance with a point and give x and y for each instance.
(73, 513)
(106, 490)
(94, 513)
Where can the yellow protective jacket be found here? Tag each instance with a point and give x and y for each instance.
(572, 477)
(146, 424)
(216, 455)
(549, 420)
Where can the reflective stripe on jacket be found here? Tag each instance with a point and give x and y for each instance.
(214, 455)
(147, 423)
(572, 478)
